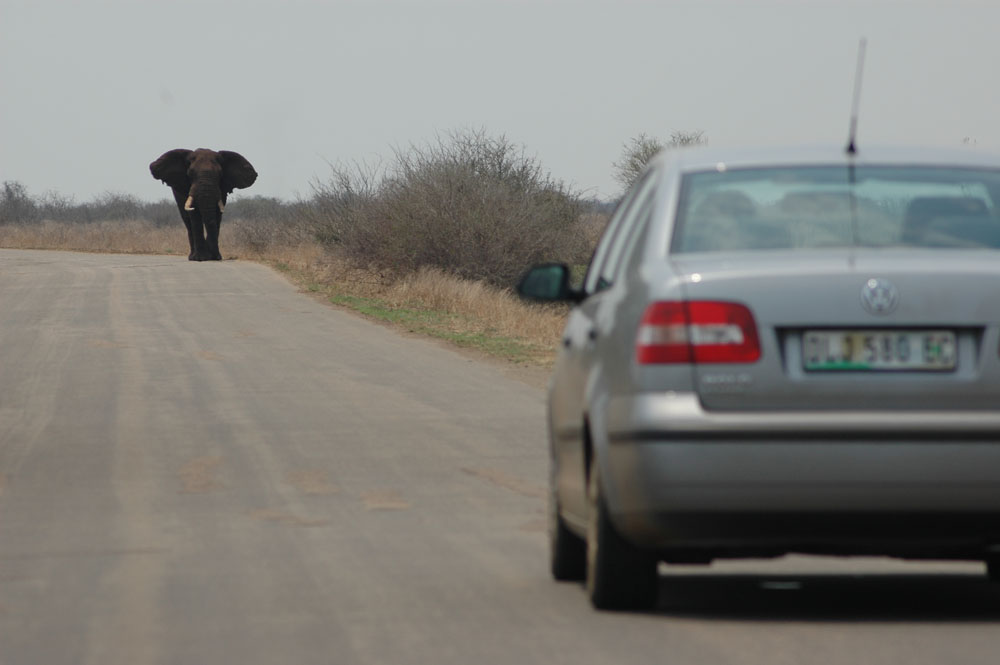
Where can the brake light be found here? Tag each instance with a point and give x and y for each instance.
(697, 332)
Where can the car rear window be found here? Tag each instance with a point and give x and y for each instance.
(813, 207)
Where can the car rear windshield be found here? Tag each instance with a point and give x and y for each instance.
(813, 207)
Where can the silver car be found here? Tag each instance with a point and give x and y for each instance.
(780, 351)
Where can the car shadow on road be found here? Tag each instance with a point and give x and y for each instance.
(849, 598)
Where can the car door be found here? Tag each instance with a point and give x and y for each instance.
(573, 375)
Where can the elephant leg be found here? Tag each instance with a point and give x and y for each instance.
(191, 242)
(199, 249)
(212, 240)
(180, 196)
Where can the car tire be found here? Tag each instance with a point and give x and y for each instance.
(620, 576)
(993, 568)
(568, 552)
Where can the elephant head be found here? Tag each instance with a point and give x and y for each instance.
(201, 180)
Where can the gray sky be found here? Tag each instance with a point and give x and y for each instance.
(91, 92)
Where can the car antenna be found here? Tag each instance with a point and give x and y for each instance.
(852, 148)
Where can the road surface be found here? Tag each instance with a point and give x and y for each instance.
(200, 465)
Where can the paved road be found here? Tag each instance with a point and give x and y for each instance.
(200, 465)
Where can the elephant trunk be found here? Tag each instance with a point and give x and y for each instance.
(205, 195)
(208, 206)
(208, 203)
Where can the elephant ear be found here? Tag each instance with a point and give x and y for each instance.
(171, 167)
(237, 172)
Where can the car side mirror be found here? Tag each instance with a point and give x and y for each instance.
(548, 282)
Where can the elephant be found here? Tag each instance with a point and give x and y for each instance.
(201, 180)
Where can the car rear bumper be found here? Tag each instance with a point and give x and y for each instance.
(870, 483)
(680, 415)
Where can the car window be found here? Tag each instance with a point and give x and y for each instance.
(808, 207)
(611, 242)
(604, 243)
(632, 256)
(622, 245)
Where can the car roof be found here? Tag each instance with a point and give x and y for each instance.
(710, 157)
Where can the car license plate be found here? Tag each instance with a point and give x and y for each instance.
(893, 350)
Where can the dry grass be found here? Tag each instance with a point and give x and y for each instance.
(134, 237)
(505, 313)
(429, 301)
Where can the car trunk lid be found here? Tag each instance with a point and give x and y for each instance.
(882, 297)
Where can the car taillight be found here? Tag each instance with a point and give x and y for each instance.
(697, 331)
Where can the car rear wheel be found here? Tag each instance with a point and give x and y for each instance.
(568, 552)
(619, 575)
(993, 568)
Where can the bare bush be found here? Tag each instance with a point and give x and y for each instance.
(341, 212)
(114, 206)
(161, 213)
(469, 204)
(16, 206)
(638, 151)
(261, 222)
(56, 207)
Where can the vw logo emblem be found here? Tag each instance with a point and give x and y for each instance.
(879, 296)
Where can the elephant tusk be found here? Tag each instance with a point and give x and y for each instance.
(222, 207)
(189, 204)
